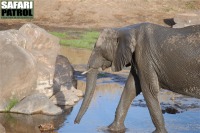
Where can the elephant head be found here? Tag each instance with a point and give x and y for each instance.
(114, 48)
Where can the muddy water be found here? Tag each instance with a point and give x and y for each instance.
(102, 109)
(76, 55)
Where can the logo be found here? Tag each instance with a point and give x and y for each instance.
(17, 9)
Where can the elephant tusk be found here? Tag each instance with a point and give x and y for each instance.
(86, 71)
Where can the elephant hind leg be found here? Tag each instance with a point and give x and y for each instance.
(150, 88)
(131, 90)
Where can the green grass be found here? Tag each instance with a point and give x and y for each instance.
(83, 39)
(58, 34)
(11, 104)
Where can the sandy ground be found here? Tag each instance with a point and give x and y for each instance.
(105, 13)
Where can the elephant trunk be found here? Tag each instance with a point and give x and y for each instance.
(90, 88)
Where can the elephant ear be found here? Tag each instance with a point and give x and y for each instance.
(124, 52)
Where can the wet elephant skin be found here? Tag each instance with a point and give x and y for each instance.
(160, 57)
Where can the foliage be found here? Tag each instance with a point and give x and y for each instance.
(11, 104)
(58, 34)
(79, 39)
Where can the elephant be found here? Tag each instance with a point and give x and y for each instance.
(160, 57)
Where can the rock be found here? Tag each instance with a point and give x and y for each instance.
(2, 129)
(64, 83)
(73, 90)
(171, 103)
(64, 74)
(44, 47)
(45, 127)
(36, 103)
(18, 70)
(47, 91)
(187, 19)
(65, 97)
(27, 63)
(169, 110)
(77, 92)
(28, 56)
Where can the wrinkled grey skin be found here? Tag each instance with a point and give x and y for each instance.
(160, 57)
(64, 74)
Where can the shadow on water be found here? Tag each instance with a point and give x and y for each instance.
(104, 78)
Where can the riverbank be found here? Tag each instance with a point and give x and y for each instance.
(101, 14)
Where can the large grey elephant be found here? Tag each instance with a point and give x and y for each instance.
(160, 57)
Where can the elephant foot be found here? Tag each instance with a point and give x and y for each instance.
(115, 127)
(160, 131)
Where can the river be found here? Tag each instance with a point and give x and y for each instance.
(101, 111)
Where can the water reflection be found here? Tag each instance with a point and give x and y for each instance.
(100, 112)
(19, 123)
(76, 55)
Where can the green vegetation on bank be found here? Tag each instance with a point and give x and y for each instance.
(11, 104)
(78, 39)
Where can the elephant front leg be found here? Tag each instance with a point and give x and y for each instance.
(131, 90)
(150, 88)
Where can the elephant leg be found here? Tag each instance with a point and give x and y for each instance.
(131, 90)
(150, 89)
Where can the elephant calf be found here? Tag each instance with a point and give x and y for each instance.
(160, 57)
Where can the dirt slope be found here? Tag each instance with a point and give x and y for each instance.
(106, 13)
